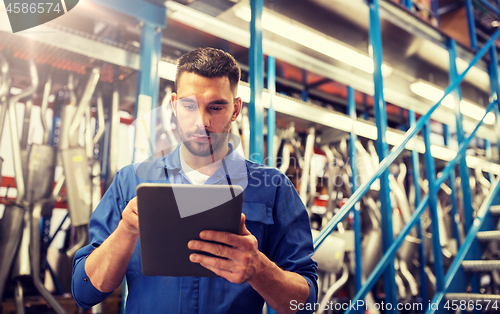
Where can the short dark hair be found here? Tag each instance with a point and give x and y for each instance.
(209, 62)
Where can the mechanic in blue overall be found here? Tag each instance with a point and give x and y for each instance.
(270, 261)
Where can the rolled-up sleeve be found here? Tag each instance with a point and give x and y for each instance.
(84, 292)
(292, 249)
(313, 294)
(103, 222)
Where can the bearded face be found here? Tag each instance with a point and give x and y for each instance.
(203, 143)
(205, 108)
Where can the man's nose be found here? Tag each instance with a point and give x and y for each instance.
(203, 119)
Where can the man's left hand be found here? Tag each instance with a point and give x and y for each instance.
(243, 258)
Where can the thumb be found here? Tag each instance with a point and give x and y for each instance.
(243, 228)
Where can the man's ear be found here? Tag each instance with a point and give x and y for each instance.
(174, 103)
(237, 108)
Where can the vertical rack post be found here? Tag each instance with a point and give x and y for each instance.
(454, 205)
(305, 92)
(271, 114)
(418, 197)
(105, 172)
(471, 23)
(495, 89)
(351, 108)
(365, 106)
(430, 173)
(255, 108)
(487, 147)
(148, 82)
(497, 127)
(446, 135)
(434, 10)
(382, 148)
(464, 170)
(408, 4)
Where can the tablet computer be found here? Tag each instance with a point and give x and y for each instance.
(170, 215)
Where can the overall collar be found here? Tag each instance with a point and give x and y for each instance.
(233, 163)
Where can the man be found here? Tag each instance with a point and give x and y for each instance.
(271, 258)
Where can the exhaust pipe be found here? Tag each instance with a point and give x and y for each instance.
(4, 91)
(304, 180)
(11, 230)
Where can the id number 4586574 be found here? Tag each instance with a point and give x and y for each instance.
(471, 305)
(33, 8)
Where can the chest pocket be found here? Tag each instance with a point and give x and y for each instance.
(258, 220)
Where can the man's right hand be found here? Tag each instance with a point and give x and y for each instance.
(107, 264)
(130, 219)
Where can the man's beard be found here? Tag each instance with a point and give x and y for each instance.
(216, 141)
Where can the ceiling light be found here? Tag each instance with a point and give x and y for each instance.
(244, 93)
(313, 40)
(167, 70)
(434, 94)
(476, 112)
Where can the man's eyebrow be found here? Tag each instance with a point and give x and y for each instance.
(219, 102)
(188, 99)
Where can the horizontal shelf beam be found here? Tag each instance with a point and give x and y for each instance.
(75, 43)
(141, 10)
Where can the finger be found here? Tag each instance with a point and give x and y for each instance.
(243, 227)
(134, 211)
(132, 205)
(130, 219)
(214, 262)
(213, 248)
(222, 237)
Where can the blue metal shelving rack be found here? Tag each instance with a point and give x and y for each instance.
(454, 280)
(256, 108)
(358, 276)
